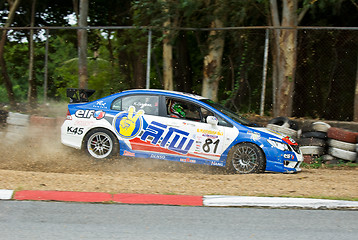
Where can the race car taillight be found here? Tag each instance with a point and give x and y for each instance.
(68, 115)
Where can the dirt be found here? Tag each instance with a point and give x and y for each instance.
(41, 162)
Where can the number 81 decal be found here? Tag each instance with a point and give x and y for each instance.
(208, 145)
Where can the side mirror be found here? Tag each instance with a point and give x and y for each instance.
(212, 120)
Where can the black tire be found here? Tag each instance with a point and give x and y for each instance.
(311, 142)
(246, 158)
(293, 125)
(285, 122)
(283, 130)
(101, 143)
(279, 121)
(3, 116)
(321, 135)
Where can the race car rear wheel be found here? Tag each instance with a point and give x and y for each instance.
(101, 143)
(246, 158)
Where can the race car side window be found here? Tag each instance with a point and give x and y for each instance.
(117, 104)
(147, 103)
(221, 122)
(190, 111)
(182, 109)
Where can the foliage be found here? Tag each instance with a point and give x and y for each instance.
(102, 77)
(116, 57)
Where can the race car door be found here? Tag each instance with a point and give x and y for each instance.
(207, 140)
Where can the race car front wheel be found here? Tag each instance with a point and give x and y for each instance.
(101, 143)
(246, 158)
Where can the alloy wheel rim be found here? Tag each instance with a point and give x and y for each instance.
(245, 159)
(100, 145)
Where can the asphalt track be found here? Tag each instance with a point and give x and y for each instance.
(177, 200)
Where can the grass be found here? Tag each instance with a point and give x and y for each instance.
(319, 163)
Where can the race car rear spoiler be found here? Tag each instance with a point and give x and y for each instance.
(78, 95)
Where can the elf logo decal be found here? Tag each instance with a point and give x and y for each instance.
(90, 113)
(129, 124)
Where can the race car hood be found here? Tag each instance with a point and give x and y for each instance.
(278, 135)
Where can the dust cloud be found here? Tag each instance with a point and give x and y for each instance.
(40, 150)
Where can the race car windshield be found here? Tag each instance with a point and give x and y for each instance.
(234, 116)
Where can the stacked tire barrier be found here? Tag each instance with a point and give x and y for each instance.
(3, 115)
(319, 139)
(342, 144)
(17, 127)
(284, 126)
(313, 141)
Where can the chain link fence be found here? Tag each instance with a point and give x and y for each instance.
(326, 74)
(326, 71)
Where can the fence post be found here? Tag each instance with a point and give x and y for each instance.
(46, 67)
(264, 73)
(147, 85)
(355, 106)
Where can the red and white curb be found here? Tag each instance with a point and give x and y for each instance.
(6, 194)
(178, 200)
(98, 197)
(276, 202)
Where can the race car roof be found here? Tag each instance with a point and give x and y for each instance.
(197, 97)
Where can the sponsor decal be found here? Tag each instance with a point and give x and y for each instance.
(198, 146)
(157, 156)
(129, 124)
(170, 138)
(74, 130)
(219, 164)
(211, 132)
(188, 124)
(99, 115)
(210, 136)
(100, 104)
(90, 114)
(289, 140)
(84, 122)
(255, 136)
(188, 160)
(142, 105)
(288, 156)
(127, 153)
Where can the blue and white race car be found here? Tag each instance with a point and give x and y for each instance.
(174, 126)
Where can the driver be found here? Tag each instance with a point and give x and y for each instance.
(176, 110)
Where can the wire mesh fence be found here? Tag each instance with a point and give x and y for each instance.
(326, 74)
(325, 80)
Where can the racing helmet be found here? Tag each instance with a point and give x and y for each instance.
(177, 110)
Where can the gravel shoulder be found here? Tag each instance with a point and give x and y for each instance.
(38, 163)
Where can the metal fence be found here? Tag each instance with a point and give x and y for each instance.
(325, 80)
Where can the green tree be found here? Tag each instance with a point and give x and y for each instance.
(5, 75)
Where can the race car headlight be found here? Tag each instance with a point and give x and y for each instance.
(280, 145)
